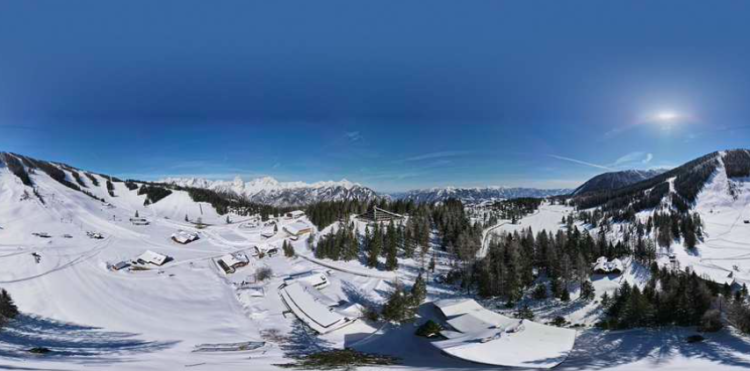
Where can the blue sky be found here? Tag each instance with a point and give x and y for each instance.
(394, 95)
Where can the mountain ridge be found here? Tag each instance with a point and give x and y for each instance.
(616, 179)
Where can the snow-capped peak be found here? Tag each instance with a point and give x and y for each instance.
(268, 190)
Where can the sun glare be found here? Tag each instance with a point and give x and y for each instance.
(667, 116)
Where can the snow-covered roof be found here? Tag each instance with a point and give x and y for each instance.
(614, 266)
(234, 259)
(454, 307)
(152, 257)
(184, 237)
(312, 278)
(310, 311)
(297, 228)
(487, 337)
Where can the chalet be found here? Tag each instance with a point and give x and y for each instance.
(603, 266)
(184, 237)
(295, 214)
(150, 257)
(378, 215)
(231, 262)
(266, 250)
(297, 229)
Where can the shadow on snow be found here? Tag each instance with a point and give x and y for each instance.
(69, 341)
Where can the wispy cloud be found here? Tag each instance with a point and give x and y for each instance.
(581, 162)
(353, 136)
(648, 158)
(436, 155)
(633, 158)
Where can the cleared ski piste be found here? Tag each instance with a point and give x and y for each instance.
(156, 319)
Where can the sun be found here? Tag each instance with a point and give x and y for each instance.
(666, 119)
(666, 116)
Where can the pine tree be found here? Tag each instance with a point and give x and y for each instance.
(351, 248)
(587, 290)
(400, 306)
(288, 249)
(564, 294)
(8, 309)
(419, 290)
(136, 214)
(186, 218)
(391, 249)
(376, 246)
(524, 312)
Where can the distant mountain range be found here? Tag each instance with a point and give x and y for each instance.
(477, 195)
(269, 191)
(618, 179)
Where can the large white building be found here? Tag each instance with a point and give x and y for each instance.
(483, 336)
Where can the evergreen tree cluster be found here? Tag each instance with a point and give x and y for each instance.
(225, 203)
(401, 305)
(323, 214)
(669, 298)
(517, 208)
(16, 167)
(54, 172)
(131, 185)
(92, 178)
(111, 189)
(342, 245)
(515, 260)
(666, 227)
(737, 163)
(457, 233)
(153, 193)
(77, 178)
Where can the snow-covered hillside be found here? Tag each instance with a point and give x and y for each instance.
(270, 191)
(614, 180)
(717, 188)
(188, 312)
(477, 195)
